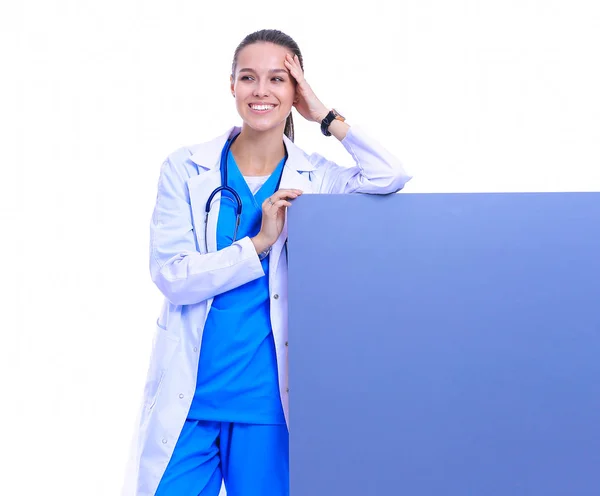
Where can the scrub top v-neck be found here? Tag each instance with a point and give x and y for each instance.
(237, 372)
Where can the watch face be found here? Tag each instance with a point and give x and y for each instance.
(338, 116)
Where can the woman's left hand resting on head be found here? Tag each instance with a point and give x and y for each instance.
(307, 104)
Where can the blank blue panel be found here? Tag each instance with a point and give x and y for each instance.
(445, 345)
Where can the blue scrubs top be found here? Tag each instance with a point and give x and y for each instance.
(237, 373)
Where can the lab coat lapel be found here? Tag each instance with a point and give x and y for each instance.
(200, 187)
(208, 158)
(291, 178)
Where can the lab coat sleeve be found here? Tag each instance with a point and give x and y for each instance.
(183, 274)
(376, 170)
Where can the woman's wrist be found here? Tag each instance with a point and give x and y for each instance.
(260, 245)
(321, 115)
(337, 128)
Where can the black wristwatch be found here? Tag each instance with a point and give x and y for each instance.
(329, 118)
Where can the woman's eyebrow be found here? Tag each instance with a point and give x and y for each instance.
(271, 71)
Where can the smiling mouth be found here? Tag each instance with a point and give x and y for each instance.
(261, 109)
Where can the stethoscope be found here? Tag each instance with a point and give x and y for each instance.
(225, 187)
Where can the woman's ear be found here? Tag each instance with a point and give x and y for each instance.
(232, 86)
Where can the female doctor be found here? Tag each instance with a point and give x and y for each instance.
(216, 397)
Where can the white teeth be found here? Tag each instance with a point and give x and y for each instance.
(262, 107)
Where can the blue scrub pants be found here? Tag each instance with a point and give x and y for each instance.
(253, 460)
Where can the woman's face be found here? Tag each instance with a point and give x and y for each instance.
(263, 88)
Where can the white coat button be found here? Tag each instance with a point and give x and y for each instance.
(286, 343)
(287, 390)
(164, 441)
(195, 348)
(275, 296)
(181, 395)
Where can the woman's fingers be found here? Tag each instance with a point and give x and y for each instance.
(280, 195)
(282, 203)
(276, 205)
(286, 193)
(273, 210)
(293, 65)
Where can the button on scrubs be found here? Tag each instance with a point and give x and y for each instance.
(235, 429)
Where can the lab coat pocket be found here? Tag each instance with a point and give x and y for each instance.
(163, 348)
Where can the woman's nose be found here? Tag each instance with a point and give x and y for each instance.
(261, 89)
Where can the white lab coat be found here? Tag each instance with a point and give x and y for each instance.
(189, 278)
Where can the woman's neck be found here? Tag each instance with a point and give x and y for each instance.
(258, 153)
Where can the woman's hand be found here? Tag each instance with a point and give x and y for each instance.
(273, 218)
(307, 104)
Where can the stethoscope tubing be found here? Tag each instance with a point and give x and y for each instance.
(225, 187)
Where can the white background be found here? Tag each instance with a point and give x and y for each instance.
(472, 96)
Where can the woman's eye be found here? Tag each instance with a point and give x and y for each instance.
(250, 78)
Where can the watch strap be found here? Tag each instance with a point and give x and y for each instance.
(329, 118)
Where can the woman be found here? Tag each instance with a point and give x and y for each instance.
(216, 399)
